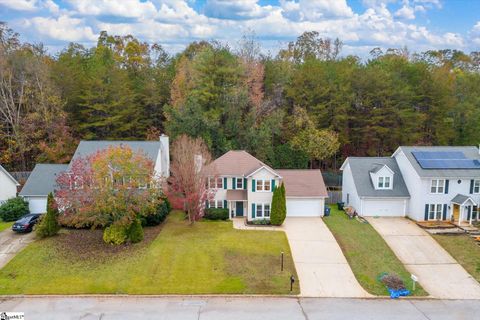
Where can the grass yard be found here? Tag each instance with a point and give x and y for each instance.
(463, 249)
(5, 225)
(176, 258)
(367, 253)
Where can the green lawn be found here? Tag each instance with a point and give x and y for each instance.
(463, 249)
(208, 257)
(367, 253)
(5, 225)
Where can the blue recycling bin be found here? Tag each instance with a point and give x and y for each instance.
(327, 211)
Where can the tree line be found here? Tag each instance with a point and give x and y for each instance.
(307, 105)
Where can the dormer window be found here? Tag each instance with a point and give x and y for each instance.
(383, 182)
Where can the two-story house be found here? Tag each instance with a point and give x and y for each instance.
(245, 185)
(423, 183)
(8, 185)
(42, 180)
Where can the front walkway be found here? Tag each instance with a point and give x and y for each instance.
(438, 272)
(321, 266)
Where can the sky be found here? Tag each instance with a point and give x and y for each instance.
(362, 25)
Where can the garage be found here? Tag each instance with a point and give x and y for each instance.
(383, 207)
(305, 207)
(37, 204)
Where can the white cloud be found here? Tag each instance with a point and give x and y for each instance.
(405, 12)
(124, 8)
(20, 5)
(235, 9)
(51, 6)
(315, 10)
(63, 28)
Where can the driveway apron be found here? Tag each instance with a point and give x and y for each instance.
(11, 243)
(438, 272)
(322, 268)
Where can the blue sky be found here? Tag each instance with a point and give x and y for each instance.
(361, 24)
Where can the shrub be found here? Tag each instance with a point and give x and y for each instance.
(49, 226)
(159, 216)
(13, 209)
(216, 214)
(279, 206)
(115, 234)
(135, 232)
(260, 222)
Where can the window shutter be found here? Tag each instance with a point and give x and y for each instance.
(234, 183)
(225, 183)
(273, 184)
(471, 186)
(253, 185)
(426, 212)
(444, 212)
(446, 186)
(469, 212)
(245, 183)
(225, 204)
(253, 210)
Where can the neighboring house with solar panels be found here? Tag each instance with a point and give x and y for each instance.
(43, 178)
(423, 183)
(244, 185)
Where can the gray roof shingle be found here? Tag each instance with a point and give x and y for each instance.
(149, 148)
(470, 152)
(42, 180)
(361, 168)
(460, 199)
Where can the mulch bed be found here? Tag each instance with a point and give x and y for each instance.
(87, 244)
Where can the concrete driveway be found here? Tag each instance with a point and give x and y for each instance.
(438, 272)
(11, 243)
(322, 268)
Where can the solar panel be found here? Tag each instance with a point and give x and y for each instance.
(445, 160)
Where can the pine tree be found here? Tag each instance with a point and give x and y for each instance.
(279, 206)
(49, 225)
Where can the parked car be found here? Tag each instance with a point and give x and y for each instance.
(26, 223)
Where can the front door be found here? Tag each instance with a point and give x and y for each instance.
(239, 209)
(456, 212)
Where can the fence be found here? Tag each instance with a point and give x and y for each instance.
(332, 179)
(334, 196)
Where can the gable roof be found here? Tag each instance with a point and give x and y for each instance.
(470, 152)
(42, 180)
(2, 169)
(377, 167)
(303, 183)
(237, 163)
(86, 148)
(461, 199)
(361, 167)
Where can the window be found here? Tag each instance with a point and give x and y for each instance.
(215, 183)
(259, 212)
(263, 185)
(435, 212)
(476, 186)
(219, 183)
(215, 204)
(383, 183)
(239, 183)
(438, 186)
(262, 210)
(266, 210)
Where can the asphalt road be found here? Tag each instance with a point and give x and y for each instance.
(232, 308)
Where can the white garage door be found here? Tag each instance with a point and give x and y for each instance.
(383, 208)
(37, 204)
(304, 207)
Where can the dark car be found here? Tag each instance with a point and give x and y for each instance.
(26, 223)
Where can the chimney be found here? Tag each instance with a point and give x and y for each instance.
(165, 155)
